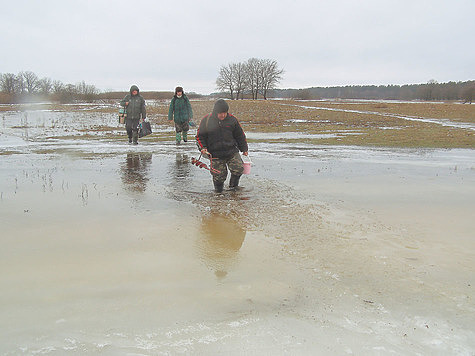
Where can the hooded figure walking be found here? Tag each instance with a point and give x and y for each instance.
(134, 105)
(180, 111)
(221, 137)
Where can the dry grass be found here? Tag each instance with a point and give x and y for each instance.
(368, 128)
(373, 129)
(454, 111)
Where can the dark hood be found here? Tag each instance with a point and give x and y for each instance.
(134, 87)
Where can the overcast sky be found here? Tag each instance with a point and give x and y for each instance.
(161, 44)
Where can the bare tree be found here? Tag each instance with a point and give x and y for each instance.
(20, 86)
(239, 78)
(45, 85)
(87, 91)
(262, 76)
(270, 75)
(31, 81)
(225, 79)
(58, 87)
(253, 78)
(8, 83)
(255, 75)
(67, 94)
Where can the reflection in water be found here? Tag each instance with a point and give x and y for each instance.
(221, 241)
(181, 169)
(135, 171)
(179, 173)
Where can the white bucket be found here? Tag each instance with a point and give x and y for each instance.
(247, 164)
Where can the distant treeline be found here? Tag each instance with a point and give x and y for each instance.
(28, 87)
(432, 90)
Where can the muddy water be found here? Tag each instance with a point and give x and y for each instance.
(113, 249)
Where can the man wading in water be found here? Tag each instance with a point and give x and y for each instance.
(134, 105)
(221, 136)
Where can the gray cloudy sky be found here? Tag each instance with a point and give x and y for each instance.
(160, 44)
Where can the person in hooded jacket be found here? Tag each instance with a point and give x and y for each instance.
(220, 137)
(181, 113)
(134, 104)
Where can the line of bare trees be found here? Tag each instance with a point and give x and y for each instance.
(27, 85)
(253, 77)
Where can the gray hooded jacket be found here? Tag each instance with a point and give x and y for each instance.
(136, 107)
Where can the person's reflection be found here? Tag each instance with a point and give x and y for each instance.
(179, 173)
(221, 241)
(181, 169)
(135, 171)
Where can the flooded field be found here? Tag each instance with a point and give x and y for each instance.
(114, 249)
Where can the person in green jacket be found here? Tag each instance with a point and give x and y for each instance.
(134, 104)
(180, 111)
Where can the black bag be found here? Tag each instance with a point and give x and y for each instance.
(144, 129)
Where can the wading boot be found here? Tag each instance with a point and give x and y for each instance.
(234, 181)
(178, 138)
(218, 186)
(135, 137)
(185, 137)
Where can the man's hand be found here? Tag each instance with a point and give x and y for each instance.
(204, 151)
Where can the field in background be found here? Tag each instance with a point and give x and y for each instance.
(360, 123)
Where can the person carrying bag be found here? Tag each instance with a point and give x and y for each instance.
(134, 105)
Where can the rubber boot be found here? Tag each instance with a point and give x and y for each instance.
(135, 137)
(185, 137)
(178, 138)
(218, 186)
(234, 181)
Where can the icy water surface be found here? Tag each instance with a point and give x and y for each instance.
(114, 249)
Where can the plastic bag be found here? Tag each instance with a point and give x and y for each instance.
(144, 129)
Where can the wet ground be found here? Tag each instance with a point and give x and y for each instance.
(115, 249)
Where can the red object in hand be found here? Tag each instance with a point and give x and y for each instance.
(200, 164)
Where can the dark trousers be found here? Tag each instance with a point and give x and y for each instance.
(132, 127)
(182, 127)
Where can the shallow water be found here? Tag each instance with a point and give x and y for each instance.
(115, 249)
